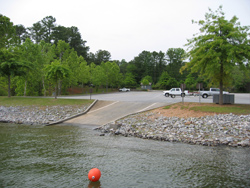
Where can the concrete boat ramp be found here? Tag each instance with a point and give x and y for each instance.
(103, 112)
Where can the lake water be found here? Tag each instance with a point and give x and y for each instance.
(61, 156)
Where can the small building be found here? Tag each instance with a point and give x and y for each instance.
(146, 87)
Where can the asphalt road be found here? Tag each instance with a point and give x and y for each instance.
(113, 106)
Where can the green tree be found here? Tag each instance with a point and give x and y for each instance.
(159, 61)
(111, 73)
(131, 68)
(144, 65)
(92, 67)
(21, 34)
(163, 81)
(72, 36)
(116, 76)
(73, 64)
(190, 81)
(129, 80)
(122, 65)
(147, 63)
(240, 79)
(166, 81)
(107, 74)
(43, 30)
(101, 56)
(218, 48)
(36, 57)
(10, 66)
(172, 82)
(67, 57)
(37, 32)
(62, 50)
(29, 54)
(77, 43)
(98, 77)
(47, 56)
(48, 25)
(175, 57)
(84, 71)
(56, 72)
(7, 32)
(146, 80)
(3, 86)
(60, 33)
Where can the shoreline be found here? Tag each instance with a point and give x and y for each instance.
(34, 115)
(221, 129)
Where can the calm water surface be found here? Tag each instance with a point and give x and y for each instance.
(61, 156)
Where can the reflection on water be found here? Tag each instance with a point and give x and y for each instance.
(61, 156)
(94, 184)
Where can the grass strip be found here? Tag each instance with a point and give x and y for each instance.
(238, 109)
(37, 101)
(235, 109)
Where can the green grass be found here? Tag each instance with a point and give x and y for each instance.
(183, 107)
(29, 101)
(235, 109)
(167, 107)
(238, 109)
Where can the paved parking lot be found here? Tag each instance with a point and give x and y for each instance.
(156, 97)
(114, 106)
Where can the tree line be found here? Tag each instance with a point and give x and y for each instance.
(48, 58)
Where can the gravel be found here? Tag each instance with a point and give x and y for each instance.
(33, 115)
(222, 129)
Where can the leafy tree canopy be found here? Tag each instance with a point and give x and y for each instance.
(56, 71)
(220, 46)
(146, 80)
(10, 65)
(7, 32)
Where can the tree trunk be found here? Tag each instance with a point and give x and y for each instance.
(44, 89)
(221, 85)
(56, 91)
(9, 86)
(221, 93)
(59, 87)
(82, 88)
(56, 85)
(25, 88)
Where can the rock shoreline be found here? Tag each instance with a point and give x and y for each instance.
(221, 129)
(33, 115)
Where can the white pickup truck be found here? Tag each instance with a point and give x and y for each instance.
(175, 92)
(211, 92)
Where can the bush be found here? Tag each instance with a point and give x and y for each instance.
(3, 92)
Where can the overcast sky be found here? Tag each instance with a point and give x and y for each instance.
(125, 27)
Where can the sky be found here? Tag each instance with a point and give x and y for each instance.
(125, 28)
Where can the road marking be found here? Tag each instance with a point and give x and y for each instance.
(103, 107)
(146, 107)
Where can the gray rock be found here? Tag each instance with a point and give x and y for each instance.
(35, 116)
(222, 129)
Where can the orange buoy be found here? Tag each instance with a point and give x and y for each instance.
(94, 174)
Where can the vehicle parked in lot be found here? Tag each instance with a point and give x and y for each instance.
(124, 89)
(175, 92)
(211, 92)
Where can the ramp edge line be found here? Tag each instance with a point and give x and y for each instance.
(61, 121)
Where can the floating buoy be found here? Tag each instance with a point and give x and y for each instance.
(94, 174)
